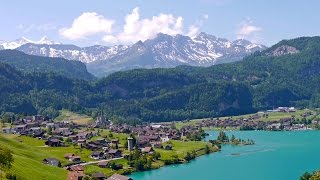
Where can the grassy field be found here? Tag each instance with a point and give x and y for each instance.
(28, 155)
(180, 148)
(28, 159)
(74, 117)
(57, 152)
(273, 116)
(107, 171)
(94, 168)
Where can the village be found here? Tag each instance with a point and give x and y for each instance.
(121, 147)
(106, 144)
(280, 119)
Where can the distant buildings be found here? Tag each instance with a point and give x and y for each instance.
(283, 109)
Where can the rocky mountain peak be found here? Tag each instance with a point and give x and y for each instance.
(161, 51)
(284, 50)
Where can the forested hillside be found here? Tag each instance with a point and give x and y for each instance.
(29, 63)
(286, 74)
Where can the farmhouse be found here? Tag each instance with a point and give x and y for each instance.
(76, 168)
(53, 142)
(114, 153)
(98, 176)
(97, 155)
(103, 164)
(75, 175)
(118, 177)
(52, 162)
(148, 150)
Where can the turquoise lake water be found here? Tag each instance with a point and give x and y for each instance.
(275, 156)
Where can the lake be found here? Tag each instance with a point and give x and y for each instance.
(275, 156)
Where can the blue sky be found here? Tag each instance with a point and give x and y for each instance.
(88, 22)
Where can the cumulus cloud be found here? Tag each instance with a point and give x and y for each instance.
(136, 29)
(247, 29)
(87, 24)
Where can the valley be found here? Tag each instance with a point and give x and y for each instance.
(153, 90)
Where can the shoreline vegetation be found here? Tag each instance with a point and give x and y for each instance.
(311, 176)
(224, 139)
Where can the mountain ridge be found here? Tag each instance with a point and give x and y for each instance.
(170, 51)
(38, 64)
(161, 51)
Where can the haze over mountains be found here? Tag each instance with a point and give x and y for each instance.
(161, 51)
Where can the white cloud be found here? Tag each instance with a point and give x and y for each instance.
(87, 24)
(136, 29)
(194, 29)
(247, 29)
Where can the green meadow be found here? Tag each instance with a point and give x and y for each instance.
(180, 148)
(28, 159)
(73, 117)
(28, 155)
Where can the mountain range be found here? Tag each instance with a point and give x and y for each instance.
(286, 74)
(21, 41)
(162, 51)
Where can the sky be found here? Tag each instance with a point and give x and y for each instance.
(109, 22)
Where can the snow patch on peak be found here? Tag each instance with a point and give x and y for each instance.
(16, 43)
(46, 40)
(161, 51)
(23, 40)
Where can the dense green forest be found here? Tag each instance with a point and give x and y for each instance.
(260, 81)
(29, 63)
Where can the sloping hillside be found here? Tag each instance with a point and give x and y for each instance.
(31, 64)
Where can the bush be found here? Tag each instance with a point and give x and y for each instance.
(10, 176)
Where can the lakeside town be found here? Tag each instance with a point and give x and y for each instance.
(123, 148)
(280, 119)
(112, 148)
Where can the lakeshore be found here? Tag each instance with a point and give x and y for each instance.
(276, 155)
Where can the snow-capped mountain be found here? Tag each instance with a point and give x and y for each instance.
(45, 40)
(161, 51)
(170, 51)
(16, 43)
(72, 52)
(22, 41)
